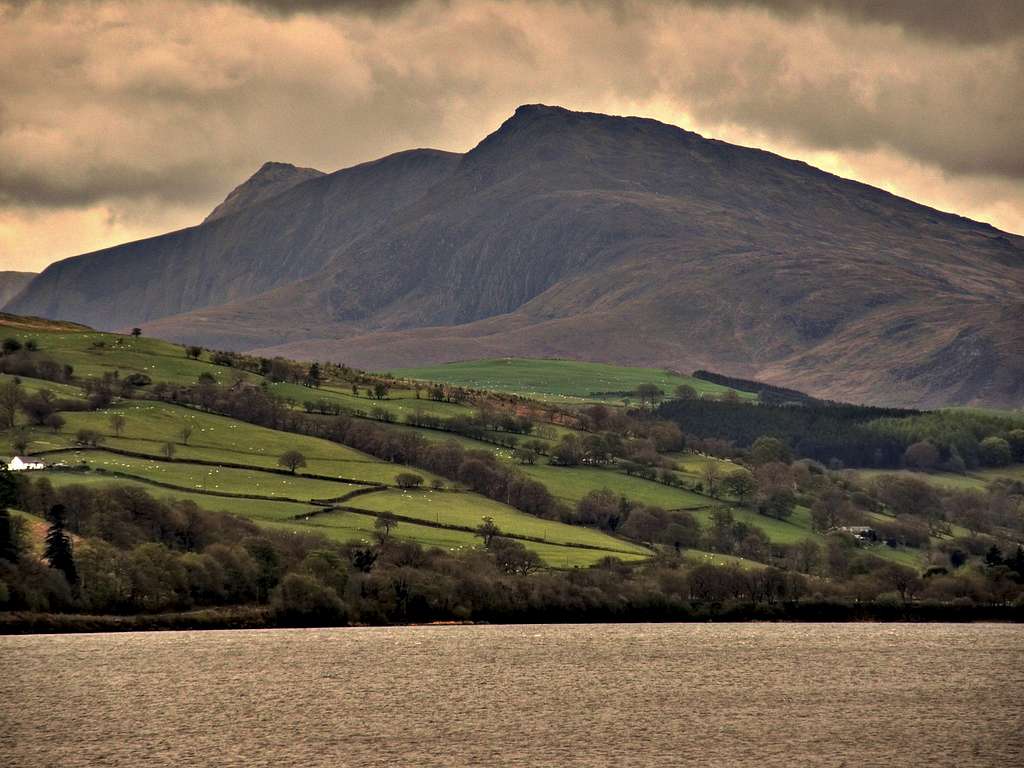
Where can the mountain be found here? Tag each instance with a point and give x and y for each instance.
(270, 180)
(580, 235)
(12, 283)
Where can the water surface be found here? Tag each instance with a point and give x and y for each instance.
(572, 695)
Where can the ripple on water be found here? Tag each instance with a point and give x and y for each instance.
(570, 695)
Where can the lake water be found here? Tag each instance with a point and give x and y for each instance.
(577, 695)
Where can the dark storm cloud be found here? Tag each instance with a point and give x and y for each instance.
(964, 21)
(374, 7)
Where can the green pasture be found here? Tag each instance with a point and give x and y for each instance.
(149, 425)
(251, 482)
(261, 509)
(353, 527)
(974, 480)
(464, 509)
(32, 386)
(556, 380)
(93, 353)
(573, 483)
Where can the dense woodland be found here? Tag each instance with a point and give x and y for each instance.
(841, 435)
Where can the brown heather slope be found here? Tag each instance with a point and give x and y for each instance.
(626, 240)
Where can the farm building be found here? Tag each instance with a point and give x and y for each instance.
(20, 464)
(862, 533)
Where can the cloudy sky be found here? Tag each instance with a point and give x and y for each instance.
(124, 119)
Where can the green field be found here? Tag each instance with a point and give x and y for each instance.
(573, 483)
(976, 479)
(250, 482)
(557, 379)
(93, 354)
(399, 403)
(251, 508)
(351, 526)
(149, 425)
(466, 510)
(32, 386)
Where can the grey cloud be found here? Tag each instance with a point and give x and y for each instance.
(182, 106)
(971, 22)
(372, 7)
(962, 21)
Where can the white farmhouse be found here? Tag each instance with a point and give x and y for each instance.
(20, 464)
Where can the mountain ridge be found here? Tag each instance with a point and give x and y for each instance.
(270, 180)
(564, 233)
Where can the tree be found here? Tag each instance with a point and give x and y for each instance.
(193, 352)
(488, 530)
(117, 422)
(741, 484)
(38, 407)
(10, 544)
(767, 449)
(408, 480)
(136, 332)
(313, 377)
(89, 437)
(301, 598)
(185, 433)
(381, 389)
(57, 550)
(779, 504)
(55, 422)
(168, 450)
(601, 508)
(1015, 438)
(649, 393)
(830, 510)
(685, 392)
(11, 345)
(383, 526)
(995, 452)
(525, 455)
(710, 476)
(513, 557)
(21, 440)
(11, 397)
(291, 460)
(921, 455)
(568, 452)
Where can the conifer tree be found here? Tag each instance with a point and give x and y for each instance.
(58, 545)
(8, 535)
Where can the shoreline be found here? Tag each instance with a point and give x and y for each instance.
(262, 617)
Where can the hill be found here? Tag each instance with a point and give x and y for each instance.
(190, 478)
(584, 236)
(12, 283)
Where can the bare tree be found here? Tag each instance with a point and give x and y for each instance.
(292, 460)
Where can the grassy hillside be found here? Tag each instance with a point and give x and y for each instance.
(230, 465)
(566, 380)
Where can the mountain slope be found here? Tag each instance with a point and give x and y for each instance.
(12, 283)
(270, 180)
(624, 240)
(261, 246)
